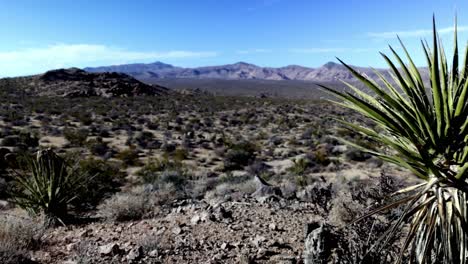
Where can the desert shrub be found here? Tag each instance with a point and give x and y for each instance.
(21, 232)
(167, 174)
(180, 154)
(29, 140)
(97, 147)
(239, 155)
(300, 166)
(229, 184)
(152, 170)
(143, 138)
(320, 156)
(103, 178)
(133, 205)
(11, 141)
(104, 133)
(76, 137)
(18, 235)
(175, 177)
(356, 240)
(129, 157)
(46, 184)
(149, 243)
(84, 118)
(168, 147)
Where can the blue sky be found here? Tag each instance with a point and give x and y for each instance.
(46, 34)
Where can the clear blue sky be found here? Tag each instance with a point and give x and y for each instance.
(40, 35)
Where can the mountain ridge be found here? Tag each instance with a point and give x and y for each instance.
(330, 71)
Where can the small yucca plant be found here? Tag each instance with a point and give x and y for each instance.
(425, 130)
(46, 185)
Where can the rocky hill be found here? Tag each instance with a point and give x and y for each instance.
(75, 82)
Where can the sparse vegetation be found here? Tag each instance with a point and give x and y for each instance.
(191, 159)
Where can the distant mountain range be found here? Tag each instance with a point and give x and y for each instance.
(151, 72)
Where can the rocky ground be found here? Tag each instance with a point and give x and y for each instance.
(194, 178)
(243, 231)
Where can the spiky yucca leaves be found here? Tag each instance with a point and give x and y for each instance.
(46, 185)
(426, 131)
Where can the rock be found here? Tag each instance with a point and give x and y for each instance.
(319, 242)
(265, 189)
(272, 227)
(153, 253)
(71, 247)
(258, 240)
(135, 254)
(318, 193)
(205, 216)
(85, 233)
(75, 82)
(177, 230)
(109, 249)
(225, 246)
(280, 166)
(4, 205)
(339, 149)
(221, 214)
(195, 220)
(69, 261)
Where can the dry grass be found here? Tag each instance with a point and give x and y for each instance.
(134, 205)
(18, 234)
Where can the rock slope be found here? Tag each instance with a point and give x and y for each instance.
(75, 82)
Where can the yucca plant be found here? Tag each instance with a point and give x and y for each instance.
(425, 129)
(46, 184)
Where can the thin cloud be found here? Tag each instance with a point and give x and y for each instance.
(317, 50)
(36, 60)
(328, 50)
(414, 33)
(251, 51)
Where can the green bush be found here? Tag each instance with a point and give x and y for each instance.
(102, 180)
(300, 166)
(76, 137)
(97, 146)
(160, 172)
(239, 155)
(129, 157)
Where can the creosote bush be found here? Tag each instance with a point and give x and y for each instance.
(129, 157)
(76, 137)
(103, 178)
(239, 155)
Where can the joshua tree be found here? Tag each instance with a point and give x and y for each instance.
(424, 129)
